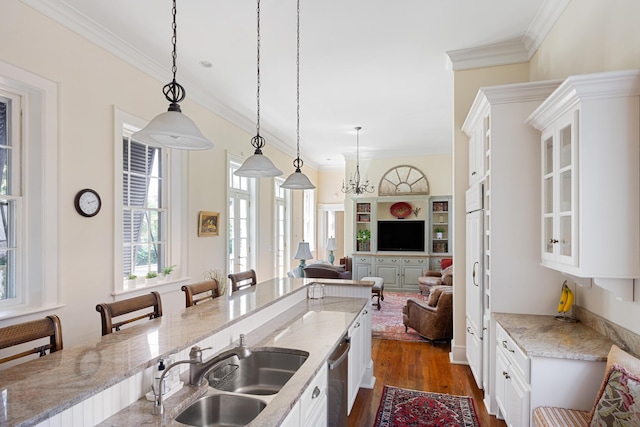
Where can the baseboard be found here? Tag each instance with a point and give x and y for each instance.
(458, 355)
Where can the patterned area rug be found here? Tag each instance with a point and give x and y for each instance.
(387, 323)
(401, 407)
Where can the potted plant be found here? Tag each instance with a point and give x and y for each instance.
(216, 274)
(363, 237)
(166, 272)
(439, 232)
(151, 278)
(130, 281)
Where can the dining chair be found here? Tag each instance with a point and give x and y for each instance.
(119, 308)
(20, 333)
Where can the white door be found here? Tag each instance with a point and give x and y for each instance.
(474, 272)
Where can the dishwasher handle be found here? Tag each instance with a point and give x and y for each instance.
(340, 354)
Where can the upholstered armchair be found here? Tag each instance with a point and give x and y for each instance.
(432, 319)
(433, 278)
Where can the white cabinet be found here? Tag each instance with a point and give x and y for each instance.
(293, 418)
(313, 402)
(591, 178)
(512, 279)
(362, 266)
(411, 269)
(477, 154)
(389, 269)
(474, 354)
(356, 366)
(512, 389)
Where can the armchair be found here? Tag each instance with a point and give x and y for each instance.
(432, 319)
(326, 271)
(433, 278)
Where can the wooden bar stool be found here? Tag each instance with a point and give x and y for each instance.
(49, 327)
(114, 309)
(195, 290)
(243, 279)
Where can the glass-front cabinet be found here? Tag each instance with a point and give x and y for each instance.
(559, 187)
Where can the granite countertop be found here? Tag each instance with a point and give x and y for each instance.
(79, 372)
(544, 336)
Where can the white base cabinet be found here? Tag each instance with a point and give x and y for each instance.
(398, 272)
(356, 365)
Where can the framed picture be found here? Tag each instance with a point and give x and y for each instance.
(208, 223)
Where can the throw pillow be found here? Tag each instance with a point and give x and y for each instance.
(445, 262)
(618, 401)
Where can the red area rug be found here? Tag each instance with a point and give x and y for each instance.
(401, 407)
(387, 323)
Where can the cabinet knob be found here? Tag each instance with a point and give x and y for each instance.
(469, 330)
(553, 241)
(506, 374)
(473, 173)
(504, 344)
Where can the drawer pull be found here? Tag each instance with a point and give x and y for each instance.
(506, 374)
(469, 330)
(504, 344)
(316, 393)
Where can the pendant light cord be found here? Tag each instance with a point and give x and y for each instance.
(297, 163)
(174, 92)
(257, 141)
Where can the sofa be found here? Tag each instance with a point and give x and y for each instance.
(433, 318)
(433, 278)
(326, 271)
(617, 402)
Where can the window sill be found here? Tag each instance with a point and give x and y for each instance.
(12, 313)
(171, 284)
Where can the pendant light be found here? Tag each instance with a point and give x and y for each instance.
(298, 180)
(355, 186)
(258, 165)
(173, 129)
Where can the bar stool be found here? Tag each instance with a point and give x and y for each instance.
(49, 327)
(118, 308)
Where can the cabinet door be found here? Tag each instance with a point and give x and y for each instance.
(518, 396)
(293, 419)
(559, 191)
(362, 267)
(476, 156)
(389, 270)
(474, 354)
(474, 273)
(502, 372)
(355, 361)
(410, 274)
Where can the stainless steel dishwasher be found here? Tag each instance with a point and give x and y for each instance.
(338, 384)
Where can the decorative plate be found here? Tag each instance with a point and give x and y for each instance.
(401, 209)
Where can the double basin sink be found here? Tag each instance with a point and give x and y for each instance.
(236, 383)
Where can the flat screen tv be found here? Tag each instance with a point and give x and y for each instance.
(401, 235)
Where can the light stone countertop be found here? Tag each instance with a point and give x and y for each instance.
(77, 373)
(544, 336)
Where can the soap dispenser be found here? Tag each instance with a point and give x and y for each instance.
(157, 387)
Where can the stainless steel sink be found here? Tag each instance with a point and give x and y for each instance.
(221, 410)
(264, 372)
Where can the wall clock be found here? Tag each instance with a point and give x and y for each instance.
(87, 202)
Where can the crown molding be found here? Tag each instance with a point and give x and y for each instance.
(514, 51)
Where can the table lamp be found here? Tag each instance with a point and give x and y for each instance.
(331, 246)
(303, 253)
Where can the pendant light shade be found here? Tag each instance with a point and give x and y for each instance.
(298, 180)
(258, 165)
(173, 129)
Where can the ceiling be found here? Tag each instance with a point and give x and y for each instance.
(383, 65)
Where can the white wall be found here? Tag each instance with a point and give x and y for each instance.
(91, 83)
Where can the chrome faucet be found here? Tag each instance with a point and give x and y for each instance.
(198, 369)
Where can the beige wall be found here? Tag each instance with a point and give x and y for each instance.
(91, 83)
(591, 36)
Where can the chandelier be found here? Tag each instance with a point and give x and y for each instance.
(355, 186)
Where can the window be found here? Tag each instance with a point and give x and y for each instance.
(241, 223)
(150, 200)
(282, 227)
(309, 217)
(28, 192)
(144, 214)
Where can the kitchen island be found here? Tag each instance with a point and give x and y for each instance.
(103, 381)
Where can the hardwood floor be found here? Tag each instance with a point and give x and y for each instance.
(417, 366)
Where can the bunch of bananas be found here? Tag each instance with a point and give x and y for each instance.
(566, 299)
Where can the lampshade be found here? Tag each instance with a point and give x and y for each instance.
(303, 251)
(298, 181)
(331, 244)
(172, 129)
(257, 166)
